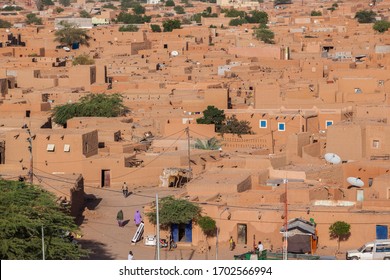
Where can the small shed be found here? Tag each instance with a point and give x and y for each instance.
(301, 236)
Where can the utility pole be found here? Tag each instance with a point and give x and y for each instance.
(31, 171)
(189, 151)
(157, 229)
(285, 245)
(43, 243)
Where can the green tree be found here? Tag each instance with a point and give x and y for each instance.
(179, 10)
(381, 26)
(99, 105)
(171, 24)
(315, 13)
(65, 3)
(24, 210)
(365, 16)
(47, 2)
(208, 226)
(234, 126)
(155, 28)
(260, 17)
(138, 9)
(59, 10)
(237, 21)
(83, 59)
(265, 35)
(212, 115)
(128, 28)
(85, 14)
(341, 231)
(109, 6)
(234, 13)
(33, 19)
(70, 34)
(132, 18)
(169, 3)
(210, 144)
(174, 211)
(5, 24)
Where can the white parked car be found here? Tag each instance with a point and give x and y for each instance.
(375, 250)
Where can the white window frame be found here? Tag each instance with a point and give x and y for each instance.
(328, 121)
(266, 123)
(377, 144)
(281, 123)
(51, 147)
(66, 148)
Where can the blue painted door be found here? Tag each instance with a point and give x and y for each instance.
(382, 232)
(188, 232)
(175, 232)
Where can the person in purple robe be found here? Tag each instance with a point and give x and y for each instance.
(137, 218)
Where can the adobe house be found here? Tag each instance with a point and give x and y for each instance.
(358, 140)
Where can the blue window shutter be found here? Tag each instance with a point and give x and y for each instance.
(175, 232)
(382, 232)
(189, 232)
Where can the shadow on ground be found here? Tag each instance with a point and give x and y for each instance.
(97, 250)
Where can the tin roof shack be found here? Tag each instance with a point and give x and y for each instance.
(301, 236)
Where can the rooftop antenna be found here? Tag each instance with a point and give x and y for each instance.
(332, 158)
(356, 182)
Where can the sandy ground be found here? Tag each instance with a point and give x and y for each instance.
(107, 241)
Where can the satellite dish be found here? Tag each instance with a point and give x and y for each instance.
(355, 182)
(174, 53)
(332, 158)
(66, 49)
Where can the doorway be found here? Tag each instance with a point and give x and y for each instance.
(105, 178)
(242, 234)
(182, 232)
(360, 195)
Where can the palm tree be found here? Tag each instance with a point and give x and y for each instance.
(210, 144)
(70, 34)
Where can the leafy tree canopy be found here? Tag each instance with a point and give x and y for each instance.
(25, 209)
(340, 230)
(138, 9)
(212, 115)
(155, 28)
(70, 34)
(169, 3)
(179, 10)
(174, 211)
(234, 126)
(237, 21)
(128, 28)
(109, 6)
(83, 59)
(233, 13)
(59, 10)
(65, 3)
(99, 105)
(208, 225)
(315, 13)
(171, 24)
(47, 2)
(365, 16)
(210, 144)
(33, 19)
(5, 24)
(11, 8)
(132, 19)
(264, 34)
(381, 26)
(85, 14)
(260, 17)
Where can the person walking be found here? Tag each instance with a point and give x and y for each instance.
(119, 218)
(231, 243)
(130, 256)
(125, 190)
(137, 218)
(260, 247)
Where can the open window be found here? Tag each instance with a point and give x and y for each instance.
(51, 147)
